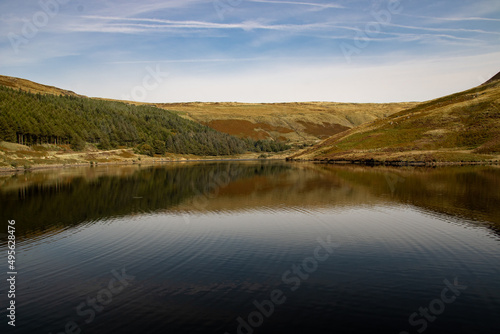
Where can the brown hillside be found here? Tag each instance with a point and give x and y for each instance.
(459, 127)
(33, 87)
(294, 122)
(289, 122)
(495, 78)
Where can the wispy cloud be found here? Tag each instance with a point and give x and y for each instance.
(455, 19)
(201, 60)
(456, 30)
(221, 60)
(128, 25)
(311, 4)
(131, 8)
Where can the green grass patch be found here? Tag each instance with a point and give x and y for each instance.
(459, 157)
(380, 138)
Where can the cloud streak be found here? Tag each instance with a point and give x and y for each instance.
(129, 25)
(454, 19)
(456, 30)
(311, 4)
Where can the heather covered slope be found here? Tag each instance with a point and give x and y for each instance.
(459, 127)
(304, 122)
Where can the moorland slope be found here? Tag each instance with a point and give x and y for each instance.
(301, 122)
(460, 127)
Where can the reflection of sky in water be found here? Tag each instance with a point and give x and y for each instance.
(220, 262)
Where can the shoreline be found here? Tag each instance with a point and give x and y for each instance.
(17, 158)
(149, 162)
(152, 162)
(394, 163)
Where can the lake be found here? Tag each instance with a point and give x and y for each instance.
(253, 247)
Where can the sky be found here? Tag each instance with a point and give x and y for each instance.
(252, 50)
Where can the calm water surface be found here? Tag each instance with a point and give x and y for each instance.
(254, 247)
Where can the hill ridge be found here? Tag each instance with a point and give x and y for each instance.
(464, 126)
(300, 123)
(494, 78)
(34, 87)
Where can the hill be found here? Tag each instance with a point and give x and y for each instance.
(33, 87)
(306, 122)
(459, 127)
(298, 123)
(37, 119)
(494, 78)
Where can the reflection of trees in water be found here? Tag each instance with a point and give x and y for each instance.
(38, 207)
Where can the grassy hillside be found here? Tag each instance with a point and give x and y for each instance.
(294, 122)
(297, 123)
(33, 87)
(36, 119)
(459, 127)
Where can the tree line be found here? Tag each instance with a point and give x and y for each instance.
(34, 119)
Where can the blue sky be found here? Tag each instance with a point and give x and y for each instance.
(253, 50)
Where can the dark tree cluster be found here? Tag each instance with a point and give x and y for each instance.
(34, 119)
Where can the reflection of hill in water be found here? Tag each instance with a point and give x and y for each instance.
(299, 187)
(51, 200)
(467, 192)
